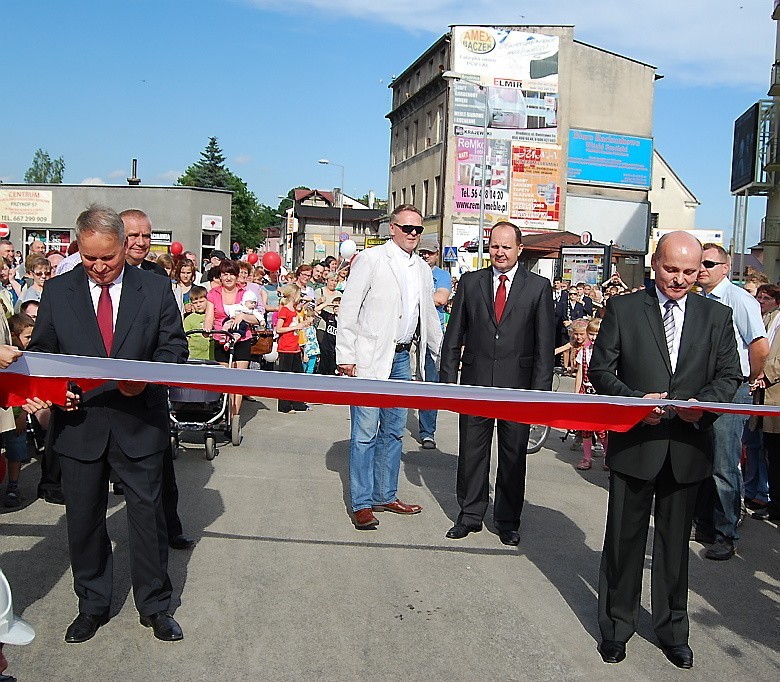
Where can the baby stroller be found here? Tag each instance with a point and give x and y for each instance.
(194, 409)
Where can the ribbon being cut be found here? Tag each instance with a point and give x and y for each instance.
(47, 376)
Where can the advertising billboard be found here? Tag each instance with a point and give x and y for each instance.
(31, 206)
(535, 198)
(518, 72)
(745, 150)
(468, 169)
(610, 159)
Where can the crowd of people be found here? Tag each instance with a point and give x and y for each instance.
(392, 313)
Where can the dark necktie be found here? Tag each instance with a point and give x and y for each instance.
(105, 317)
(500, 297)
(669, 327)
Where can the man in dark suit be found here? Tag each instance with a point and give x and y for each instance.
(138, 233)
(656, 343)
(502, 317)
(109, 309)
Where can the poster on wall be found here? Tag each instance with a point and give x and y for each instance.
(535, 197)
(30, 206)
(518, 75)
(609, 159)
(470, 155)
(582, 264)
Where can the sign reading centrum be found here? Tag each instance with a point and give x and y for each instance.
(30, 206)
(609, 159)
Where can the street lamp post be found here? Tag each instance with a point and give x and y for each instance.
(455, 76)
(326, 162)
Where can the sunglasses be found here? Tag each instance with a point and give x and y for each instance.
(410, 229)
(711, 263)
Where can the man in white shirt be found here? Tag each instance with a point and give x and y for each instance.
(385, 305)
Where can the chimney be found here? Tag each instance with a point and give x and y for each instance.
(134, 180)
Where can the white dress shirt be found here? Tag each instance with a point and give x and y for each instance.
(510, 275)
(115, 291)
(678, 314)
(406, 269)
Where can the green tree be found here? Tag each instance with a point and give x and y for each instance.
(43, 169)
(284, 204)
(249, 217)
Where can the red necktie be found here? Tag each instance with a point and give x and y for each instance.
(500, 297)
(105, 317)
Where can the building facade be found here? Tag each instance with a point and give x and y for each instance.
(198, 218)
(568, 128)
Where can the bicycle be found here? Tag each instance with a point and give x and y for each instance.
(539, 432)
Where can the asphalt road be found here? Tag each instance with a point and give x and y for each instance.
(281, 586)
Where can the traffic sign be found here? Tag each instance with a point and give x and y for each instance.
(4, 231)
(343, 237)
(450, 254)
(236, 248)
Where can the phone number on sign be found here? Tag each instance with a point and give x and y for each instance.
(10, 218)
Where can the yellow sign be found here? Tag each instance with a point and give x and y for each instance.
(29, 206)
(374, 241)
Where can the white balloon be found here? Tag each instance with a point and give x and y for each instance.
(272, 356)
(348, 249)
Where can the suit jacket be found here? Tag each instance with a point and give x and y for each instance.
(371, 306)
(148, 327)
(630, 358)
(514, 353)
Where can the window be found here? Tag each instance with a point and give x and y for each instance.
(413, 194)
(435, 201)
(653, 221)
(663, 183)
(394, 150)
(393, 204)
(406, 142)
(415, 132)
(428, 129)
(57, 239)
(440, 123)
(403, 195)
(425, 210)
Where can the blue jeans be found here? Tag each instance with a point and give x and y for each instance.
(428, 417)
(756, 476)
(375, 447)
(719, 506)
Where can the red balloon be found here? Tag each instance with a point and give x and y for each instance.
(176, 248)
(252, 258)
(272, 261)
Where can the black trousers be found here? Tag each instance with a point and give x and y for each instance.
(85, 485)
(772, 449)
(623, 558)
(290, 362)
(473, 489)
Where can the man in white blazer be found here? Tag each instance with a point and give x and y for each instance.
(386, 306)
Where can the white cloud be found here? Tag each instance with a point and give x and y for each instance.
(118, 173)
(93, 181)
(242, 159)
(702, 42)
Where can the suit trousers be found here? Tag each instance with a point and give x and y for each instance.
(290, 362)
(623, 558)
(473, 489)
(85, 484)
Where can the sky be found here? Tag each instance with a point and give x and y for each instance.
(283, 83)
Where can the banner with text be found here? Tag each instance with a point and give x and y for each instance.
(535, 197)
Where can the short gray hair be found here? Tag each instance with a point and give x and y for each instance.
(101, 219)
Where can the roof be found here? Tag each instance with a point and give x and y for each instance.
(545, 243)
(302, 194)
(352, 215)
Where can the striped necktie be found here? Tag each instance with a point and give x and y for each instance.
(669, 327)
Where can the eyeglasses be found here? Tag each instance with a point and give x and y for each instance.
(425, 253)
(711, 263)
(409, 229)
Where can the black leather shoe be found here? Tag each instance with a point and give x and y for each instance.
(164, 626)
(118, 489)
(612, 651)
(460, 531)
(84, 627)
(181, 542)
(509, 537)
(722, 550)
(52, 496)
(679, 654)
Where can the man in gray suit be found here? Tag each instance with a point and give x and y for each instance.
(659, 343)
(503, 319)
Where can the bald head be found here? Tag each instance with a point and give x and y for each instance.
(676, 263)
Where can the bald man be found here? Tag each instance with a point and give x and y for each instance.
(658, 343)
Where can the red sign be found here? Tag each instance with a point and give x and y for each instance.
(4, 231)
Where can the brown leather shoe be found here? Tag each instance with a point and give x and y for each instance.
(364, 519)
(398, 507)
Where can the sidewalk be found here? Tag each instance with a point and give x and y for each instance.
(282, 587)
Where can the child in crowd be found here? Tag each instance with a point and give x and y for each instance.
(21, 327)
(288, 347)
(329, 316)
(308, 341)
(200, 346)
(247, 306)
(583, 386)
(578, 339)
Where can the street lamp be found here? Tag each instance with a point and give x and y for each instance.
(455, 76)
(326, 162)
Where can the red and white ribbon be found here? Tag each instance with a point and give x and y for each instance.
(46, 376)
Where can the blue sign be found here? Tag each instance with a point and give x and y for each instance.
(450, 254)
(609, 159)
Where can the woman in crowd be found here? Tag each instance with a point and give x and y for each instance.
(245, 279)
(184, 274)
(343, 275)
(269, 294)
(165, 261)
(328, 292)
(40, 270)
(303, 280)
(225, 298)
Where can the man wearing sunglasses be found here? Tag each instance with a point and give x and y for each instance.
(386, 306)
(719, 504)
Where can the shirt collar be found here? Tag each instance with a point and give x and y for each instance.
(663, 298)
(397, 251)
(118, 280)
(720, 288)
(510, 274)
